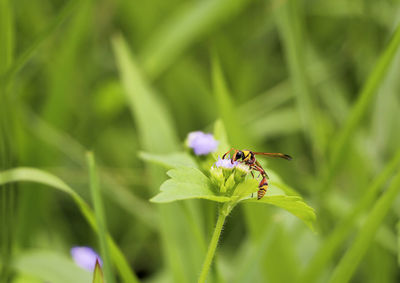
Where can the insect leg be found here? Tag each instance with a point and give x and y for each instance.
(261, 169)
(223, 156)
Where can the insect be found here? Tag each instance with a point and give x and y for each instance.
(248, 157)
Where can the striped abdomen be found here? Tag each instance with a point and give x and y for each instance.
(262, 188)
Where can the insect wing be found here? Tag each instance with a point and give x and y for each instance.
(277, 155)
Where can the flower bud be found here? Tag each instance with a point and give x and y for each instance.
(241, 171)
(230, 182)
(217, 176)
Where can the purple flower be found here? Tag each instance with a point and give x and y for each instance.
(85, 257)
(225, 163)
(202, 143)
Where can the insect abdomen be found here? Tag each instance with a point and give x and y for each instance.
(262, 188)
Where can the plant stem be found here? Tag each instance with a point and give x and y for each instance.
(100, 217)
(222, 213)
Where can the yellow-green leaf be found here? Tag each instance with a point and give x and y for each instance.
(294, 204)
(98, 274)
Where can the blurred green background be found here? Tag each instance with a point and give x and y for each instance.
(318, 80)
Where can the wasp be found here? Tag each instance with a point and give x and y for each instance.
(248, 157)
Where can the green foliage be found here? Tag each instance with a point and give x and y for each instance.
(226, 107)
(364, 100)
(169, 160)
(191, 183)
(398, 243)
(129, 80)
(351, 259)
(142, 101)
(157, 135)
(344, 228)
(291, 30)
(226, 184)
(293, 204)
(190, 22)
(6, 77)
(187, 183)
(42, 177)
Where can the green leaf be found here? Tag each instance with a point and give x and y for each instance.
(154, 123)
(295, 205)
(170, 160)
(50, 266)
(187, 183)
(188, 175)
(246, 188)
(284, 188)
(98, 274)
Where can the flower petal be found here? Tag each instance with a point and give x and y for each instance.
(202, 143)
(85, 257)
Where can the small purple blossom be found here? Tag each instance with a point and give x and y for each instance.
(202, 143)
(85, 257)
(225, 163)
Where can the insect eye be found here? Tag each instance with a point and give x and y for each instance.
(239, 155)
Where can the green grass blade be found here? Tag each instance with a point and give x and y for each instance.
(281, 122)
(349, 262)
(6, 35)
(290, 28)
(146, 108)
(25, 174)
(6, 144)
(100, 217)
(62, 71)
(26, 55)
(359, 110)
(398, 243)
(266, 102)
(226, 107)
(190, 23)
(155, 126)
(154, 122)
(332, 244)
(74, 151)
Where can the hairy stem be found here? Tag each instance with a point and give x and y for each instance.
(222, 213)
